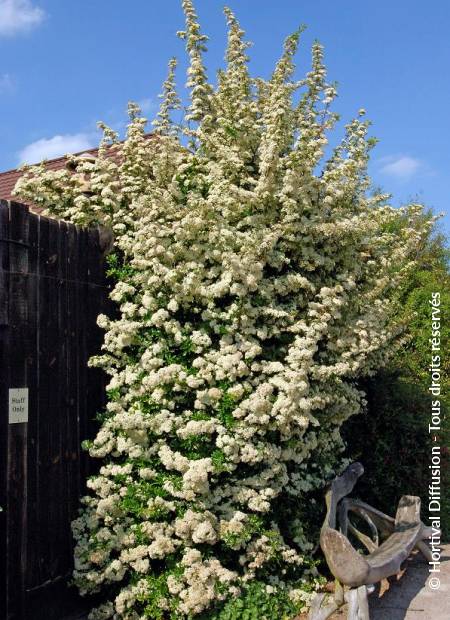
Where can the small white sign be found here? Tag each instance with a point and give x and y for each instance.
(18, 405)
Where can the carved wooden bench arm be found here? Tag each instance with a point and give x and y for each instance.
(378, 522)
(351, 568)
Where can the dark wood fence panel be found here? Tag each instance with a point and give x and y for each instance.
(52, 287)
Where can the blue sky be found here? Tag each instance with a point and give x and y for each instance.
(64, 65)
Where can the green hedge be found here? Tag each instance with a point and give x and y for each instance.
(391, 438)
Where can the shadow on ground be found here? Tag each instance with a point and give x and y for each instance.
(410, 596)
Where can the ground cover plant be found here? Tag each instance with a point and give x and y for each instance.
(256, 284)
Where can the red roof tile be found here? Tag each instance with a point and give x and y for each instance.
(9, 178)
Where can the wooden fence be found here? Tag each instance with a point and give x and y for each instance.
(52, 287)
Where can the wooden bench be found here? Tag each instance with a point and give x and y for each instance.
(389, 544)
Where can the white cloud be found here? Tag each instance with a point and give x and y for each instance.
(48, 148)
(401, 167)
(7, 84)
(18, 16)
(147, 105)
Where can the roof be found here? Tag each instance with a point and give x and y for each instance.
(9, 178)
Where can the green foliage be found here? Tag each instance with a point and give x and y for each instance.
(253, 525)
(226, 407)
(256, 603)
(219, 460)
(392, 438)
(415, 356)
(151, 600)
(118, 269)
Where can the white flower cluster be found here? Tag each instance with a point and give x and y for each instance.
(253, 293)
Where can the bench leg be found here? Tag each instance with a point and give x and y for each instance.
(352, 599)
(322, 607)
(363, 603)
(358, 605)
(338, 593)
(319, 611)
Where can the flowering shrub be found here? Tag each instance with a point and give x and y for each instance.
(255, 286)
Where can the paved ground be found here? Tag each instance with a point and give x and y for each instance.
(412, 597)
